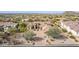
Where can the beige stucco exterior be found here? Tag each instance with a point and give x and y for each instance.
(69, 29)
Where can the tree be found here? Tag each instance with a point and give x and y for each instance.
(29, 35)
(54, 32)
(21, 27)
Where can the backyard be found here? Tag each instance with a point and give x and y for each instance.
(36, 30)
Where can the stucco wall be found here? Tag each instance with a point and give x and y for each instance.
(69, 29)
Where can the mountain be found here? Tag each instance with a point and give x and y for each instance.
(71, 13)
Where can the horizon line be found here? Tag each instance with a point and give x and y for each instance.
(29, 12)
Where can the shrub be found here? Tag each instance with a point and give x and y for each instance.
(54, 32)
(29, 35)
(18, 19)
(2, 34)
(12, 30)
(21, 27)
(30, 20)
(72, 37)
(70, 33)
(64, 30)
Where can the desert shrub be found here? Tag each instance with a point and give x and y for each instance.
(1, 33)
(70, 33)
(72, 37)
(12, 30)
(30, 20)
(29, 35)
(21, 27)
(18, 19)
(50, 17)
(54, 32)
(64, 30)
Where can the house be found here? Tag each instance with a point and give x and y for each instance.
(6, 25)
(71, 26)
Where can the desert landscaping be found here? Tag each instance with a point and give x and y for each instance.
(39, 29)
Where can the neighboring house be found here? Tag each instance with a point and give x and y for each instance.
(6, 25)
(71, 26)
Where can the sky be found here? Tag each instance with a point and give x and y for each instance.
(42, 12)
